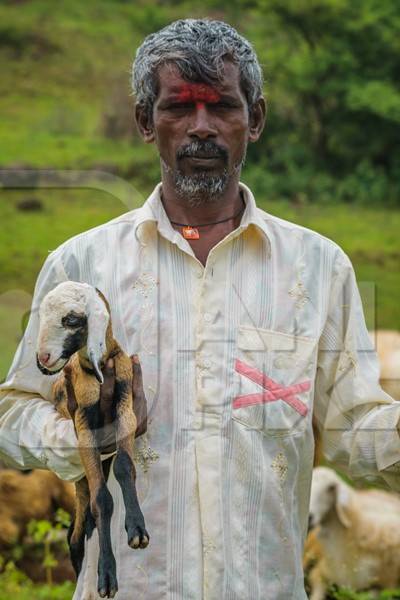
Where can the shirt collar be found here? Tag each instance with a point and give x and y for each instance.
(153, 213)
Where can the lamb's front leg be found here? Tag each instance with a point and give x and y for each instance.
(124, 467)
(101, 502)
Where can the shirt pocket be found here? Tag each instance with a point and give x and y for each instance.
(275, 381)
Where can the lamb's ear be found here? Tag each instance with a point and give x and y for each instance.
(98, 319)
(342, 504)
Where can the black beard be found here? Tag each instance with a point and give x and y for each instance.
(203, 187)
(200, 188)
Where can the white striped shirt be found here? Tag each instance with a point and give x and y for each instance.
(236, 357)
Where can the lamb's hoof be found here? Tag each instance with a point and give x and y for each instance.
(110, 593)
(107, 584)
(138, 537)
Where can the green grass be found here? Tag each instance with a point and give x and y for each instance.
(15, 585)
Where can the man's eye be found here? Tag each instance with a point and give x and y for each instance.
(180, 106)
(188, 106)
(223, 105)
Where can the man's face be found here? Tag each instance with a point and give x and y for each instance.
(201, 132)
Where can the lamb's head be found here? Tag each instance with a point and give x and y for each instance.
(72, 316)
(330, 496)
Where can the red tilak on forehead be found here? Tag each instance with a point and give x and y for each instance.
(198, 92)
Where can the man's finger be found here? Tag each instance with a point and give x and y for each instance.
(108, 370)
(67, 372)
(139, 398)
(107, 391)
(137, 372)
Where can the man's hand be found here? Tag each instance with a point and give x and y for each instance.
(139, 399)
(106, 398)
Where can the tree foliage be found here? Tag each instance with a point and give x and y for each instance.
(332, 70)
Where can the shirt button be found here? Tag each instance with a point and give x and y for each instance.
(207, 317)
(199, 272)
(43, 458)
(207, 363)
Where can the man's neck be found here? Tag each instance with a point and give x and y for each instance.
(230, 204)
(179, 210)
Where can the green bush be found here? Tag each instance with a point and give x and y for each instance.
(43, 538)
(346, 594)
(16, 586)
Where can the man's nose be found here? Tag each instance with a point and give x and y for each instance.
(201, 123)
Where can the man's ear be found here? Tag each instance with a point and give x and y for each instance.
(257, 119)
(144, 124)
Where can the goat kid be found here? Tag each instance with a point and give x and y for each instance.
(75, 328)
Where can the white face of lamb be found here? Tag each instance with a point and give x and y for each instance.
(71, 317)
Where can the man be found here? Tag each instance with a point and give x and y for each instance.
(246, 326)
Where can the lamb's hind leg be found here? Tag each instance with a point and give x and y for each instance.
(101, 502)
(89, 585)
(124, 468)
(76, 534)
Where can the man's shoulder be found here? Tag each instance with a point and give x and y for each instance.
(283, 229)
(102, 233)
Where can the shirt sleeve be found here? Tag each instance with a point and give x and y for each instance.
(357, 420)
(33, 435)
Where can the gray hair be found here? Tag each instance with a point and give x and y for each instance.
(198, 47)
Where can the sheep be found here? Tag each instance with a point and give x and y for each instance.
(29, 496)
(75, 328)
(356, 540)
(387, 345)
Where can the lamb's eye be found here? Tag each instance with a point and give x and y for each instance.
(73, 320)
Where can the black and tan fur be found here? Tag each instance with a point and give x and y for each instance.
(94, 503)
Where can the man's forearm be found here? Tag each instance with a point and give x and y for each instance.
(33, 435)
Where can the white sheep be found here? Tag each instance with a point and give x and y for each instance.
(387, 344)
(358, 533)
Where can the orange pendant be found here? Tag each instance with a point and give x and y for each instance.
(190, 233)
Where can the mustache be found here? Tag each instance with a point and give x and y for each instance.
(200, 149)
